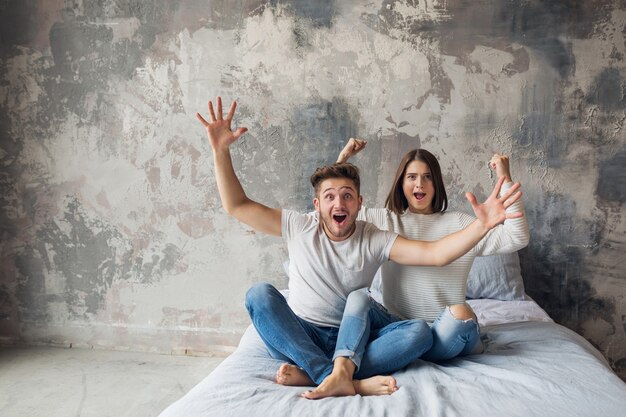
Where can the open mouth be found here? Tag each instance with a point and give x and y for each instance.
(419, 196)
(340, 218)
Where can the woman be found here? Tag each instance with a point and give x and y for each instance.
(416, 208)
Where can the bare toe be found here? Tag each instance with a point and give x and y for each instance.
(291, 375)
(376, 385)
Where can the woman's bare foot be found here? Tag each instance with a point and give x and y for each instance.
(376, 385)
(337, 384)
(293, 376)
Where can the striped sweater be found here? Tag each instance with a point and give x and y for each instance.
(421, 292)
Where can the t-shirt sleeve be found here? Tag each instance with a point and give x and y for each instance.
(380, 241)
(294, 223)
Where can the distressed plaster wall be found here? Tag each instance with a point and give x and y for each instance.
(112, 231)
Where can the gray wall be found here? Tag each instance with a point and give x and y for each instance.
(112, 231)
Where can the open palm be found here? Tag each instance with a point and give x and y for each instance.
(493, 211)
(219, 128)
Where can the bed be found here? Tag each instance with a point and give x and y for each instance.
(531, 366)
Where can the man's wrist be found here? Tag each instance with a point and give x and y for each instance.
(222, 151)
(481, 227)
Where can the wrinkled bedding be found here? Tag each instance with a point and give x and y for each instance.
(529, 368)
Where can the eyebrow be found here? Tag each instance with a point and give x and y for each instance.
(340, 188)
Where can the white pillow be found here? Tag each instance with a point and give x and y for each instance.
(497, 277)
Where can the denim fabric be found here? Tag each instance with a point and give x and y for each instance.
(393, 343)
(354, 330)
(376, 341)
(452, 337)
(287, 336)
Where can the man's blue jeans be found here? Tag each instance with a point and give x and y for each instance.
(377, 342)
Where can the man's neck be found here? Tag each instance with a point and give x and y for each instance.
(333, 238)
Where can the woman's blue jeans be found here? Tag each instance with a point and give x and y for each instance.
(451, 337)
(377, 342)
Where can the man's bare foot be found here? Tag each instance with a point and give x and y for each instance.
(293, 376)
(337, 384)
(376, 385)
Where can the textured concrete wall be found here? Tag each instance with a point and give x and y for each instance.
(112, 231)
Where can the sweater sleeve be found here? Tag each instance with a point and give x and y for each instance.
(510, 236)
(376, 216)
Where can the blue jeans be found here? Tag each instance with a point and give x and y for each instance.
(377, 342)
(391, 343)
(452, 337)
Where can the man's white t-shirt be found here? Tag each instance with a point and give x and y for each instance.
(323, 272)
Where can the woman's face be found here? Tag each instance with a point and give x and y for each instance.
(418, 187)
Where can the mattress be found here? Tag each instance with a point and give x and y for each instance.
(531, 366)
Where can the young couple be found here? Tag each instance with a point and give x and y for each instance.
(329, 333)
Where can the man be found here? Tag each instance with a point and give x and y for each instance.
(331, 256)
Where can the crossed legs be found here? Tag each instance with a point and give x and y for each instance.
(369, 343)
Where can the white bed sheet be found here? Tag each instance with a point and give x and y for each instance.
(490, 312)
(531, 367)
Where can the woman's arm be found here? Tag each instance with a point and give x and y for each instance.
(353, 147)
(513, 234)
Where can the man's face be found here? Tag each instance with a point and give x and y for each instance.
(338, 205)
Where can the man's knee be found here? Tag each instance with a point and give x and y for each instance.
(357, 303)
(462, 312)
(259, 295)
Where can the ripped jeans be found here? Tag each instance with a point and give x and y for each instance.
(452, 337)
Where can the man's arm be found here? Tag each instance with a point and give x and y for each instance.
(443, 251)
(234, 200)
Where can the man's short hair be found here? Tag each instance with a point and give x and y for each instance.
(337, 170)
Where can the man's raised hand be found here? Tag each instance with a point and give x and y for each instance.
(493, 211)
(219, 129)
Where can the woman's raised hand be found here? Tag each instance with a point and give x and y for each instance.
(353, 147)
(500, 164)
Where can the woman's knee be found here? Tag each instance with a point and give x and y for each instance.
(419, 332)
(462, 312)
